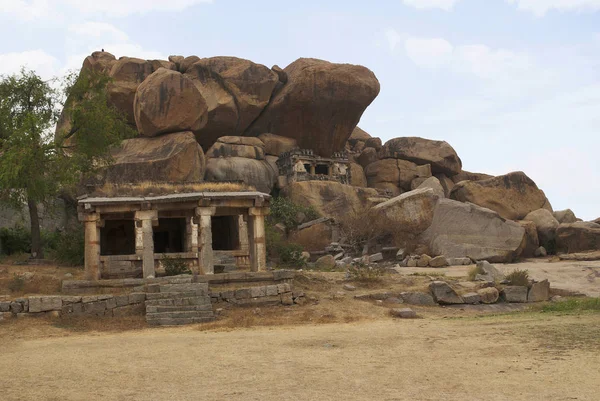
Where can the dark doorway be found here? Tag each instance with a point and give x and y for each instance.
(169, 235)
(117, 237)
(307, 167)
(225, 233)
(322, 169)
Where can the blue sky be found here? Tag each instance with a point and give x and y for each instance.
(510, 84)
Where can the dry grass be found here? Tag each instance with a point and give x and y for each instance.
(46, 279)
(150, 188)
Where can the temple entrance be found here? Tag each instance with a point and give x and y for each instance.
(117, 237)
(169, 235)
(225, 233)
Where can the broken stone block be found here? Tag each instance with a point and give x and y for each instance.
(423, 261)
(540, 252)
(515, 293)
(376, 257)
(349, 287)
(417, 298)
(287, 299)
(488, 295)
(137, 298)
(438, 261)
(444, 294)
(458, 261)
(44, 304)
(471, 298)
(404, 313)
(539, 292)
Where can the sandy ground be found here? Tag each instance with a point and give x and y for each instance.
(582, 277)
(516, 357)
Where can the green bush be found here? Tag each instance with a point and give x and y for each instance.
(286, 212)
(288, 254)
(175, 266)
(15, 240)
(518, 277)
(66, 248)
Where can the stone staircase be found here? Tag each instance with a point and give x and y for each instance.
(177, 304)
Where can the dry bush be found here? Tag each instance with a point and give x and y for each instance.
(473, 272)
(147, 188)
(518, 277)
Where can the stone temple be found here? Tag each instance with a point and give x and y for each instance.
(130, 237)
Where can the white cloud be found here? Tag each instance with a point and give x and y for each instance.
(540, 7)
(121, 8)
(41, 62)
(426, 4)
(429, 53)
(98, 30)
(393, 38)
(26, 9)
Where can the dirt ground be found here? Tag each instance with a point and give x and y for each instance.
(512, 357)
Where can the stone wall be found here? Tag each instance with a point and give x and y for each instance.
(274, 294)
(68, 305)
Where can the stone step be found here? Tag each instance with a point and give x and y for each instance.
(176, 294)
(178, 321)
(203, 300)
(179, 314)
(177, 308)
(184, 287)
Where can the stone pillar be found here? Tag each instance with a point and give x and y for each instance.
(92, 246)
(312, 169)
(205, 250)
(243, 232)
(144, 240)
(191, 239)
(257, 239)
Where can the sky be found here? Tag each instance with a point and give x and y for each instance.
(512, 85)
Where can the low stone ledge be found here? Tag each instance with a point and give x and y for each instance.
(275, 294)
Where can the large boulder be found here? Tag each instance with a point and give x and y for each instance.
(513, 195)
(439, 154)
(174, 158)
(531, 240)
(578, 237)
(545, 224)
(392, 174)
(313, 238)
(565, 216)
(469, 176)
(256, 173)
(237, 146)
(320, 104)
(435, 185)
(99, 62)
(275, 145)
(357, 175)
(367, 156)
(127, 74)
(466, 230)
(236, 92)
(168, 101)
(358, 135)
(330, 199)
(411, 212)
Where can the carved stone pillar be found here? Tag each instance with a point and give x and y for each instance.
(92, 246)
(205, 251)
(144, 240)
(191, 242)
(257, 239)
(243, 232)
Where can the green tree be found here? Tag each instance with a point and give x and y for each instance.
(37, 163)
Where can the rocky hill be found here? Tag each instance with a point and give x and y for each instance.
(230, 119)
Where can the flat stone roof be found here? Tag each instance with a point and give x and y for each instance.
(182, 197)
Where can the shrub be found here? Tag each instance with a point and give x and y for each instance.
(518, 277)
(67, 248)
(289, 254)
(15, 240)
(286, 212)
(366, 274)
(175, 266)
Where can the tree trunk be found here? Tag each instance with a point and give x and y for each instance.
(37, 251)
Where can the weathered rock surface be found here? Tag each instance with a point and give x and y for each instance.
(357, 175)
(127, 74)
(391, 174)
(329, 198)
(539, 292)
(488, 295)
(367, 156)
(540, 252)
(490, 273)
(438, 261)
(410, 212)
(467, 230)
(313, 238)
(439, 154)
(531, 241)
(565, 216)
(173, 158)
(276, 144)
(435, 185)
(404, 313)
(256, 173)
(444, 294)
(237, 146)
(471, 298)
(99, 62)
(236, 91)
(320, 104)
(578, 237)
(325, 262)
(545, 224)
(446, 183)
(515, 294)
(166, 102)
(469, 176)
(417, 298)
(513, 195)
